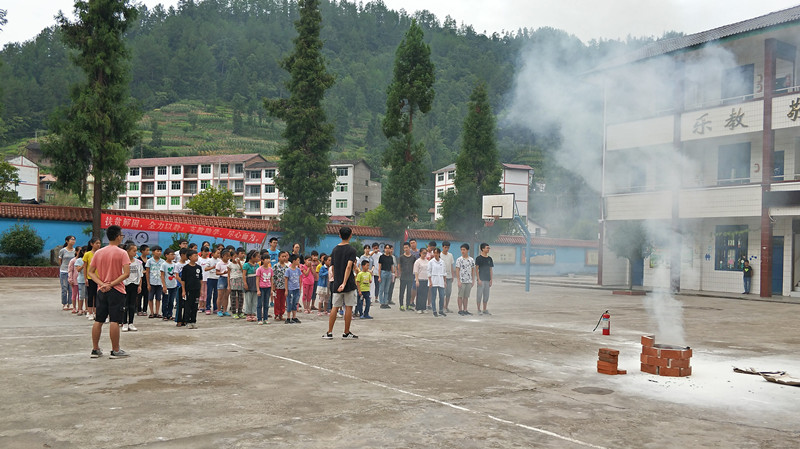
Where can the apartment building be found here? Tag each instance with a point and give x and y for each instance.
(167, 184)
(516, 179)
(702, 141)
(28, 173)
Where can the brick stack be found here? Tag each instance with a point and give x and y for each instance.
(607, 362)
(665, 360)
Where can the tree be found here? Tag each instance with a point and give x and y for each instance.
(9, 180)
(21, 241)
(157, 136)
(304, 166)
(478, 169)
(214, 202)
(3, 21)
(629, 240)
(411, 90)
(98, 130)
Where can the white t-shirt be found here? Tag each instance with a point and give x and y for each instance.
(203, 262)
(448, 264)
(211, 263)
(436, 273)
(222, 267)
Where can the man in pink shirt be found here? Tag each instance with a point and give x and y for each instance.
(110, 266)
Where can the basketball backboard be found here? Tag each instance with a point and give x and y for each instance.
(500, 207)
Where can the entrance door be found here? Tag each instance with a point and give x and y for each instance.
(777, 266)
(637, 272)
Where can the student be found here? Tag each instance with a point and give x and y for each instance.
(279, 285)
(415, 254)
(436, 276)
(466, 278)
(133, 287)
(747, 276)
(421, 280)
(405, 267)
(109, 268)
(212, 279)
(315, 272)
(485, 266)
(179, 264)
(236, 285)
(296, 252)
(183, 243)
(141, 307)
(251, 285)
(91, 285)
(80, 279)
(273, 251)
(431, 246)
(386, 276)
(72, 280)
(169, 283)
(363, 281)
(191, 280)
(322, 285)
(293, 275)
(264, 275)
(202, 260)
(222, 283)
(344, 284)
(447, 258)
(152, 271)
(375, 255)
(307, 281)
(65, 255)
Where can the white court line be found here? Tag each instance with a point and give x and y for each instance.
(409, 393)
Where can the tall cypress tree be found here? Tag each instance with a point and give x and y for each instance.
(95, 135)
(304, 169)
(478, 169)
(411, 90)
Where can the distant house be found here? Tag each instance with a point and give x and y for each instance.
(47, 192)
(536, 229)
(516, 179)
(28, 172)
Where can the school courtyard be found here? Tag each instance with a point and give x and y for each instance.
(524, 377)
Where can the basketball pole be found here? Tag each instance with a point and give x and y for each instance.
(524, 228)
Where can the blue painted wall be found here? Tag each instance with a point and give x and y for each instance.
(567, 259)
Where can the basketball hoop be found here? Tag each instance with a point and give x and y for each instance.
(488, 222)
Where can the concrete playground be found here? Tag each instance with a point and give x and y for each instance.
(523, 377)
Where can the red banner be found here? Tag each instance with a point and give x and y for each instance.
(146, 224)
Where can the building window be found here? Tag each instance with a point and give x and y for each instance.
(451, 174)
(778, 165)
(133, 186)
(147, 203)
(253, 190)
(121, 203)
(161, 201)
(133, 201)
(269, 188)
(253, 174)
(252, 206)
(366, 198)
(281, 206)
(147, 188)
(239, 202)
(738, 82)
(149, 171)
(161, 185)
(191, 170)
(176, 169)
(733, 164)
(190, 187)
(440, 177)
(238, 169)
(342, 171)
(48, 186)
(205, 169)
(162, 170)
(439, 193)
(134, 171)
(223, 169)
(366, 182)
(175, 201)
(269, 173)
(223, 185)
(176, 185)
(341, 204)
(269, 204)
(731, 247)
(205, 184)
(341, 187)
(238, 186)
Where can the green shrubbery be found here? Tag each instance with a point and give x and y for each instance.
(20, 243)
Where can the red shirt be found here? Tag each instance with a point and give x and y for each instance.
(109, 262)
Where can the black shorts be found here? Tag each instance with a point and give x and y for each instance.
(91, 293)
(111, 305)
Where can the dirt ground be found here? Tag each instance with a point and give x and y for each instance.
(523, 377)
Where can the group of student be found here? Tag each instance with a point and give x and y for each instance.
(229, 281)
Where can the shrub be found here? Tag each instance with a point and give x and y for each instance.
(21, 241)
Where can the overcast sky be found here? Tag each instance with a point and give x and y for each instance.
(587, 19)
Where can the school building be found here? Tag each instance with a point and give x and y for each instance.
(702, 141)
(516, 179)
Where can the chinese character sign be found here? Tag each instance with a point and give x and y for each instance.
(145, 224)
(794, 110)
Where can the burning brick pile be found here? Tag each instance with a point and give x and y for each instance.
(665, 360)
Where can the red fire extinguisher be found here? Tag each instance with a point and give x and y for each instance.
(605, 318)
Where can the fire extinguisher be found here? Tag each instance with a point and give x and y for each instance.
(605, 318)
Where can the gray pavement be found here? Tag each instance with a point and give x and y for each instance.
(523, 377)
